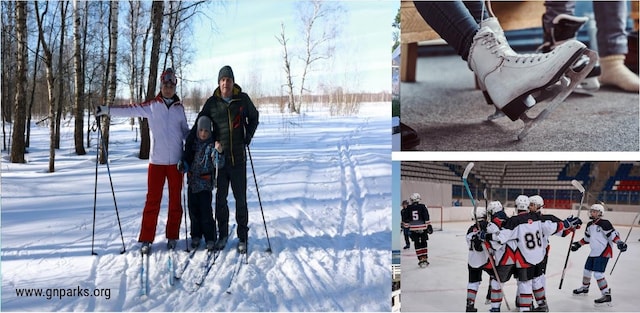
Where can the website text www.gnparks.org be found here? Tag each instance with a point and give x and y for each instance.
(51, 293)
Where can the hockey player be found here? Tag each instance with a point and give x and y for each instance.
(527, 229)
(539, 281)
(478, 260)
(416, 218)
(405, 230)
(600, 235)
(502, 254)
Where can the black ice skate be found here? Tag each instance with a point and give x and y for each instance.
(581, 290)
(470, 307)
(422, 262)
(565, 27)
(604, 300)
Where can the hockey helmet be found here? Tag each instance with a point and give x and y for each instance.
(522, 203)
(494, 207)
(537, 201)
(415, 197)
(597, 207)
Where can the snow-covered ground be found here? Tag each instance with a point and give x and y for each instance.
(325, 186)
(442, 286)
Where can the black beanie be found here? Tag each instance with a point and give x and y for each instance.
(225, 71)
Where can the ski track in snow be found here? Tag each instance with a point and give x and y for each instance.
(325, 187)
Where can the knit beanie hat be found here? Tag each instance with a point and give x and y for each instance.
(168, 76)
(204, 123)
(225, 71)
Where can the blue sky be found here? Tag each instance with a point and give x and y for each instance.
(243, 34)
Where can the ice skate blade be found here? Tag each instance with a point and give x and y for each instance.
(603, 305)
(568, 84)
(496, 115)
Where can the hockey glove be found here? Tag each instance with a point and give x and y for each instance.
(429, 229)
(482, 235)
(575, 246)
(102, 110)
(621, 246)
(572, 222)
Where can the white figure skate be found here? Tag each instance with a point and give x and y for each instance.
(565, 27)
(510, 79)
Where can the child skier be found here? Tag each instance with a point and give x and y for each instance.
(416, 218)
(201, 176)
(600, 235)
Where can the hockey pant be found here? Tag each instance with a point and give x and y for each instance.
(420, 243)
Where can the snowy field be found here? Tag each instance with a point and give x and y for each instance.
(325, 186)
(442, 286)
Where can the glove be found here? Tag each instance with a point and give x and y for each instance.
(621, 246)
(572, 222)
(183, 167)
(482, 235)
(102, 110)
(429, 229)
(575, 246)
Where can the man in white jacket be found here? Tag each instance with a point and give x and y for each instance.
(169, 128)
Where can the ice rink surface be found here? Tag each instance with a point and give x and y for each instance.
(442, 286)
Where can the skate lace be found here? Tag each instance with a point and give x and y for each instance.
(499, 46)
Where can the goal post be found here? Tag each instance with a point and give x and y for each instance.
(435, 216)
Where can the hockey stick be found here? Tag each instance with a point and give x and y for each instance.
(475, 207)
(580, 188)
(625, 240)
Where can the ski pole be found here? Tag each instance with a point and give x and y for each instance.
(625, 240)
(112, 190)
(95, 192)
(259, 201)
(467, 170)
(580, 188)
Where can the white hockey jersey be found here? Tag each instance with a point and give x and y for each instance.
(478, 258)
(600, 235)
(527, 231)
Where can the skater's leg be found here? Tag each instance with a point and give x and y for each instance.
(477, 10)
(452, 21)
(611, 22)
(612, 45)
(555, 8)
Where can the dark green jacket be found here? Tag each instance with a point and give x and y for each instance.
(235, 124)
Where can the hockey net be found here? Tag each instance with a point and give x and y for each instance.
(436, 216)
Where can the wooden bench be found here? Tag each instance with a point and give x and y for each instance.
(414, 30)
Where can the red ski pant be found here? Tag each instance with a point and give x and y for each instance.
(156, 176)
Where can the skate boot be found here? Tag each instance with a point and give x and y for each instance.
(470, 307)
(496, 65)
(565, 27)
(605, 299)
(581, 290)
(422, 262)
(542, 307)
